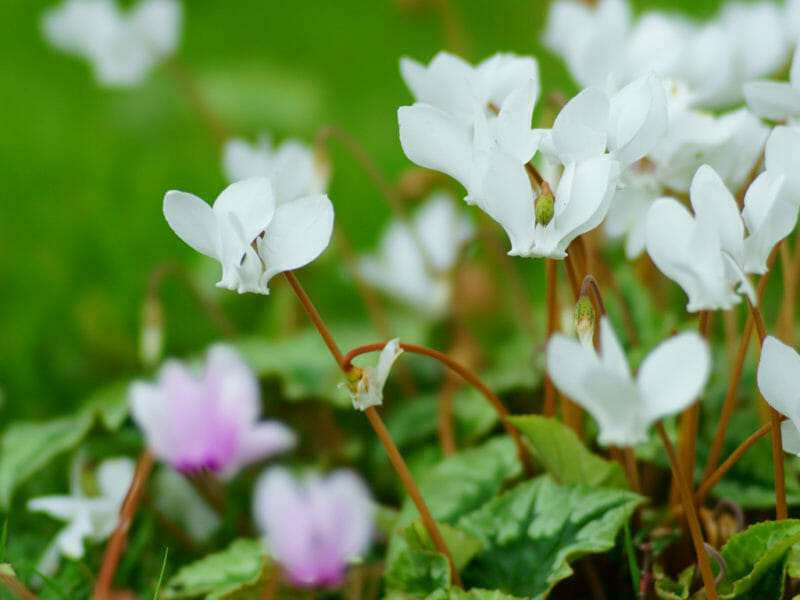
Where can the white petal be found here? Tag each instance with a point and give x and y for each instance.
(672, 376)
(251, 205)
(433, 139)
(778, 377)
(386, 359)
(63, 508)
(790, 437)
(794, 72)
(192, 219)
(159, 24)
(616, 406)
(773, 100)
(514, 133)
(579, 131)
(715, 209)
(299, 233)
(612, 355)
(114, 477)
(782, 149)
(569, 363)
(637, 119)
(769, 218)
(70, 539)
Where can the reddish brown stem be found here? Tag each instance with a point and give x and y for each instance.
(411, 487)
(691, 515)
(105, 579)
(467, 375)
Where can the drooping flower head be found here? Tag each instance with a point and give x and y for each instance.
(365, 385)
(90, 516)
(252, 235)
(315, 526)
(669, 379)
(415, 260)
(122, 47)
(291, 166)
(207, 421)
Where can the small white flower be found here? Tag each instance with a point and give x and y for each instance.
(669, 379)
(366, 389)
(121, 47)
(290, 167)
(89, 517)
(249, 233)
(703, 254)
(421, 277)
(778, 380)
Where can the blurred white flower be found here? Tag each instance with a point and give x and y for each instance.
(207, 422)
(180, 502)
(252, 235)
(365, 384)
(90, 516)
(778, 380)
(315, 526)
(776, 100)
(669, 379)
(414, 262)
(290, 167)
(122, 47)
(704, 253)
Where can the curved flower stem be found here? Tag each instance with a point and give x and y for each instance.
(105, 579)
(411, 487)
(552, 324)
(691, 515)
(709, 482)
(736, 375)
(312, 313)
(777, 443)
(572, 277)
(590, 284)
(189, 87)
(377, 424)
(468, 375)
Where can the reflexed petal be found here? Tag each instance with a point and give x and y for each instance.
(70, 539)
(773, 100)
(260, 441)
(673, 375)
(114, 477)
(579, 131)
(612, 355)
(158, 22)
(352, 508)
(514, 133)
(615, 405)
(715, 209)
(637, 119)
(63, 508)
(433, 139)
(769, 219)
(778, 377)
(250, 204)
(782, 149)
(794, 72)
(299, 233)
(568, 365)
(241, 160)
(192, 219)
(386, 359)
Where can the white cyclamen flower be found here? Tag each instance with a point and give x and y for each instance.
(778, 379)
(122, 47)
(290, 167)
(669, 379)
(704, 253)
(90, 517)
(365, 385)
(420, 276)
(252, 235)
(776, 100)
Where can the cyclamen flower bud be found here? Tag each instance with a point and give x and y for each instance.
(544, 207)
(365, 385)
(584, 317)
(151, 336)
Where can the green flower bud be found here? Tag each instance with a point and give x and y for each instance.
(584, 317)
(543, 208)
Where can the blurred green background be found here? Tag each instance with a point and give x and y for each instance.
(84, 169)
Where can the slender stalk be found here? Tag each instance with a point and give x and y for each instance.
(590, 284)
(8, 579)
(688, 424)
(691, 515)
(105, 579)
(411, 487)
(632, 469)
(709, 482)
(777, 443)
(552, 324)
(466, 374)
(736, 375)
(312, 313)
(572, 277)
(273, 583)
(377, 424)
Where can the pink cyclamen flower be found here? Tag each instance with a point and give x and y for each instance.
(315, 526)
(207, 422)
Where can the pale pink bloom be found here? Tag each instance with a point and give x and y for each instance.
(314, 526)
(207, 421)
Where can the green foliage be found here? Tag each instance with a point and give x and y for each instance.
(462, 546)
(418, 572)
(161, 575)
(535, 530)
(454, 593)
(218, 574)
(667, 589)
(559, 451)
